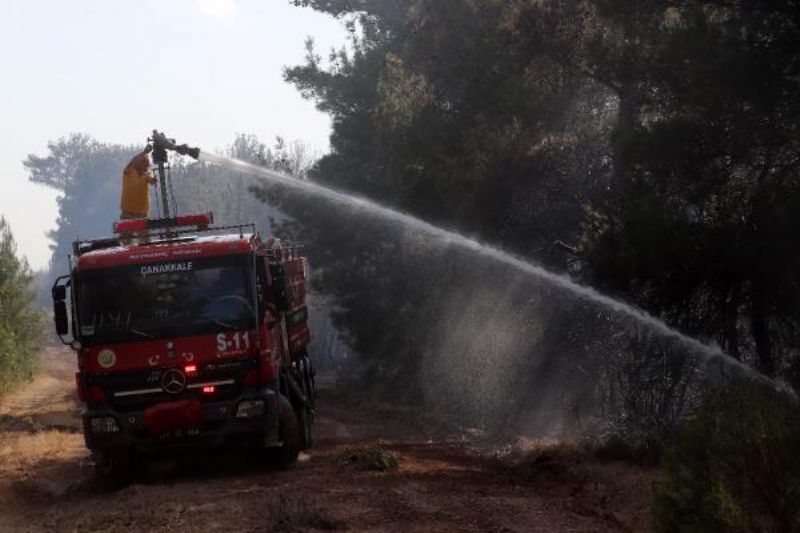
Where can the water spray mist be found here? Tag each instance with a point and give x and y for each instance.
(708, 352)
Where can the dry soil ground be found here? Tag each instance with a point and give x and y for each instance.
(442, 483)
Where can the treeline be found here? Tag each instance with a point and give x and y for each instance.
(657, 139)
(20, 321)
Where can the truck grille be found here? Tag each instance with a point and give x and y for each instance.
(135, 391)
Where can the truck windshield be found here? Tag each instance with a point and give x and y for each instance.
(165, 299)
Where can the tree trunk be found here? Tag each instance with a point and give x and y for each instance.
(758, 324)
(730, 320)
(627, 123)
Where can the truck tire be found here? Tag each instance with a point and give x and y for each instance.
(290, 434)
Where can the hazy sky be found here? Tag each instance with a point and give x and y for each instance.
(201, 70)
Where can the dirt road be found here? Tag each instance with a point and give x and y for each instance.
(440, 483)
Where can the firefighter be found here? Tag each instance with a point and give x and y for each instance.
(135, 202)
(136, 179)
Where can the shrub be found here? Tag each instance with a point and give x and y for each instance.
(20, 323)
(370, 458)
(734, 465)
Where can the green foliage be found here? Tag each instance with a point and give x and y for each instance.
(706, 185)
(661, 136)
(439, 111)
(735, 466)
(20, 323)
(372, 458)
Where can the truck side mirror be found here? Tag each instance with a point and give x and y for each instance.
(59, 293)
(60, 316)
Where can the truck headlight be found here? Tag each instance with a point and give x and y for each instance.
(104, 424)
(250, 408)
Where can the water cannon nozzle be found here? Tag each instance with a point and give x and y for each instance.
(184, 149)
(161, 143)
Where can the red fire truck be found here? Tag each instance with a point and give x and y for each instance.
(187, 334)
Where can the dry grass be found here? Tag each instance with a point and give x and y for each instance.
(24, 450)
(614, 491)
(548, 461)
(23, 453)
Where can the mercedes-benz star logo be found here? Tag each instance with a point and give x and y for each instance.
(173, 381)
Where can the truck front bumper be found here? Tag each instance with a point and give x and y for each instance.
(224, 423)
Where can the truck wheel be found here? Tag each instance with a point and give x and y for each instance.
(290, 434)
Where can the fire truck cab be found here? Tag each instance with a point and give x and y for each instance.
(193, 335)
